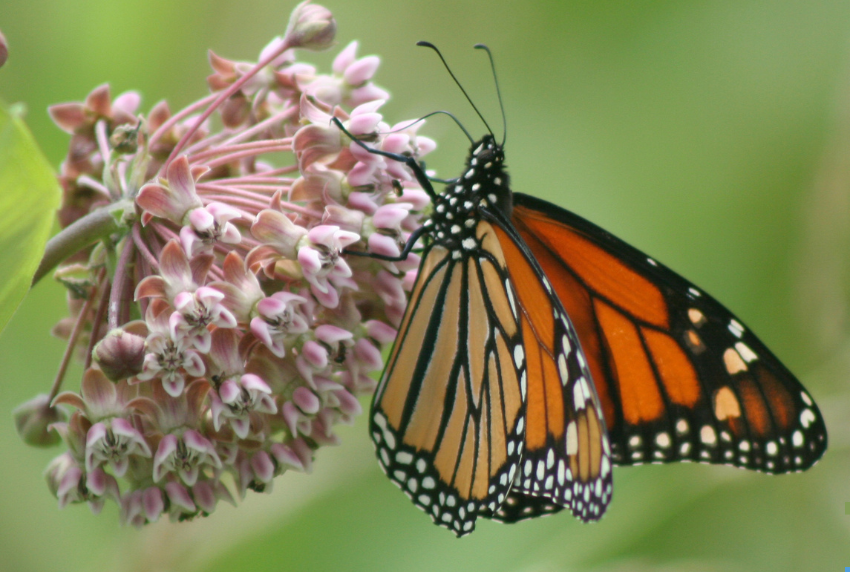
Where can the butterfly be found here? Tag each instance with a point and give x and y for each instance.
(537, 351)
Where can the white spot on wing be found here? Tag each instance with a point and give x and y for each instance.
(572, 438)
(745, 351)
(707, 435)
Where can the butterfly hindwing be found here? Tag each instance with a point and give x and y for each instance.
(567, 456)
(679, 377)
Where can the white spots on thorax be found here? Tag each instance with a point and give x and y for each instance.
(497, 180)
(469, 223)
(468, 205)
(707, 435)
(475, 187)
(487, 165)
(492, 198)
(455, 229)
(469, 174)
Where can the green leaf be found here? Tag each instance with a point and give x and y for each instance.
(29, 196)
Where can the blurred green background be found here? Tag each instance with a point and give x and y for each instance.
(713, 135)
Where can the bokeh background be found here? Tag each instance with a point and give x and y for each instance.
(713, 135)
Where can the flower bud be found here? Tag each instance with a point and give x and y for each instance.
(311, 26)
(4, 50)
(33, 420)
(120, 354)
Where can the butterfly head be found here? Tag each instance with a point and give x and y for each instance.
(482, 185)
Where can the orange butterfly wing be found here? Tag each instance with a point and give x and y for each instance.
(678, 376)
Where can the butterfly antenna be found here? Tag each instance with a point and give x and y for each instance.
(424, 117)
(498, 90)
(448, 69)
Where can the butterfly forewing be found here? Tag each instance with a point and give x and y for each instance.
(679, 377)
(448, 411)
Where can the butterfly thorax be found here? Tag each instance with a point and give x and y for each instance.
(483, 185)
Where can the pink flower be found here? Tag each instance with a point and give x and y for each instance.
(114, 443)
(184, 456)
(142, 506)
(195, 313)
(236, 400)
(178, 274)
(280, 318)
(253, 344)
(168, 358)
(174, 197)
(322, 264)
(209, 225)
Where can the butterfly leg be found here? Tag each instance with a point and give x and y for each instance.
(411, 162)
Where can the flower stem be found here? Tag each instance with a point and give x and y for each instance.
(72, 340)
(82, 233)
(118, 294)
(235, 87)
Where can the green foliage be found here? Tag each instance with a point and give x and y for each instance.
(29, 196)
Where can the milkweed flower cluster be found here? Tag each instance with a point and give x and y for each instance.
(224, 325)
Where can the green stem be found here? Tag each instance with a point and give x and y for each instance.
(81, 234)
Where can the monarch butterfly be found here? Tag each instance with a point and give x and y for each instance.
(538, 350)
